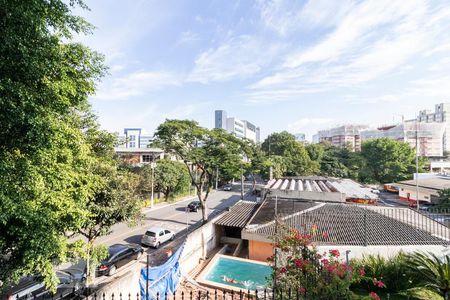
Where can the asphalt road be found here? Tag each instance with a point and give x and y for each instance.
(173, 217)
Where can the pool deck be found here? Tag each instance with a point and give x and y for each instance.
(201, 278)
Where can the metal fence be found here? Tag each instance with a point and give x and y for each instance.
(215, 294)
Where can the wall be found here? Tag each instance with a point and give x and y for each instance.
(259, 250)
(385, 251)
(209, 234)
(423, 195)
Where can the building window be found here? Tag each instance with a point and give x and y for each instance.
(146, 158)
(132, 144)
(132, 137)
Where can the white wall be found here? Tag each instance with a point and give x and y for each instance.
(193, 251)
(385, 251)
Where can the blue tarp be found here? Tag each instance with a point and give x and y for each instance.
(162, 279)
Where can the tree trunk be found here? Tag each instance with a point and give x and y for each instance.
(89, 275)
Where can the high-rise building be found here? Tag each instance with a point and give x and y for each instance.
(441, 114)
(429, 136)
(240, 128)
(342, 136)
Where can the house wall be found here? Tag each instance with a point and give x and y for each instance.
(423, 194)
(259, 250)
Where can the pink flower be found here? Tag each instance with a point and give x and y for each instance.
(298, 263)
(334, 253)
(362, 272)
(283, 270)
(378, 283)
(325, 261)
(301, 289)
(374, 296)
(324, 234)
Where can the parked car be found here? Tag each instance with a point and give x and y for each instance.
(71, 282)
(194, 206)
(155, 236)
(227, 187)
(119, 255)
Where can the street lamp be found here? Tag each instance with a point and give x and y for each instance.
(152, 166)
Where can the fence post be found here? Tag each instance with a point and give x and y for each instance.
(146, 279)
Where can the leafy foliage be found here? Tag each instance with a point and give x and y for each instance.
(171, 177)
(295, 160)
(432, 272)
(388, 160)
(203, 151)
(298, 266)
(444, 199)
(45, 166)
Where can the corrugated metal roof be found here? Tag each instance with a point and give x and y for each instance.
(350, 188)
(238, 215)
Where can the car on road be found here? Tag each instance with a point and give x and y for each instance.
(155, 236)
(194, 206)
(227, 187)
(71, 283)
(118, 256)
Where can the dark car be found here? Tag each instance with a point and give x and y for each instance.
(119, 255)
(71, 282)
(194, 206)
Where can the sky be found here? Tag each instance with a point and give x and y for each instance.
(299, 66)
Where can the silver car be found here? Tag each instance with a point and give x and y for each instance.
(155, 236)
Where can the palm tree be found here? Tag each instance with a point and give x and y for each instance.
(434, 273)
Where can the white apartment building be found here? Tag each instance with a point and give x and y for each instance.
(134, 139)
(240, 128)
(429, 136)
(441, 114)
(342, 136)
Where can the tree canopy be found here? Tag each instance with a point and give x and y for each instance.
(45, 161)
(387, 160)
(293, 158)
(203, 151)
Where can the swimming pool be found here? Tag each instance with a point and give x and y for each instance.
(236, 273)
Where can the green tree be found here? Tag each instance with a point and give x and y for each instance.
(45, 177)
(444, 199)
(296, 160)
(114, 198)
(202, 151)
(171, 177)
(387, 160)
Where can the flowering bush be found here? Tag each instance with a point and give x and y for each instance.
(300, 268)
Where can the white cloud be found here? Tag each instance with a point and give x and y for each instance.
(382, 99)
(306, 124)
(236, 58)
(284, 16)
(374, 40)
(135, 84)
(187, 37)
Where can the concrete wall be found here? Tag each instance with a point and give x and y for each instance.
(259, 250)
(209, 235)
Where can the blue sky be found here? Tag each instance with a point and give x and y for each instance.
(283, 65)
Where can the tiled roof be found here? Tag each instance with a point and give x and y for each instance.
(346, 224)
(238, 215)
(266, 212)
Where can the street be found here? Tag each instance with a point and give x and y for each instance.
(173, 217)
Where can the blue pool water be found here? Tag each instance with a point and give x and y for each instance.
(246, 275)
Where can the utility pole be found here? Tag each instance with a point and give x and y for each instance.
(152, 166)
(242, 183)
(417, 164)
(217, 177)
